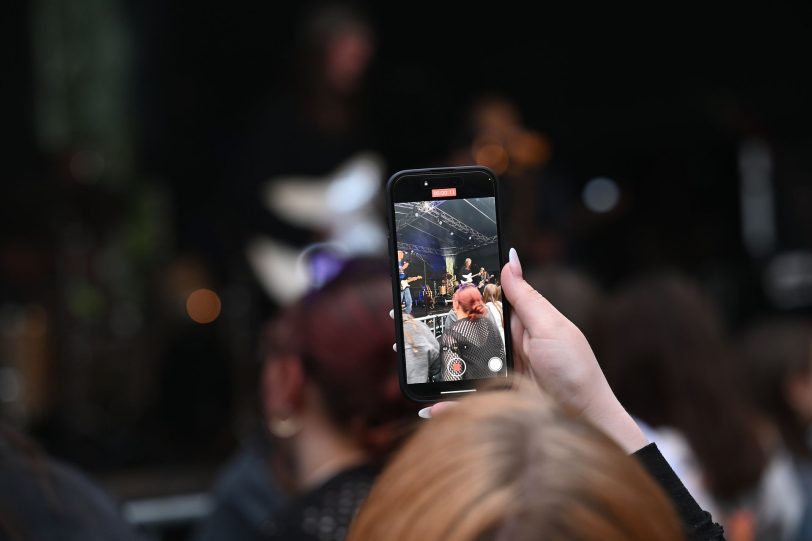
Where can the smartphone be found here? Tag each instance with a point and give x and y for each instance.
(446, 254)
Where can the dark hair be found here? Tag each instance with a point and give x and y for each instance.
(774, 350)
(664, 353)
(344, 337)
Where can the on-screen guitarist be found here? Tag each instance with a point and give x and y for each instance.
(405, 293)
(466, 272)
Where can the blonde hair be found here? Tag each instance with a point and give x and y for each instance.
(492, 293)
(508, 465)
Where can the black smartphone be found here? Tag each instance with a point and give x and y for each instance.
(446, 252)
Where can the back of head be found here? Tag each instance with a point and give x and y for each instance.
(510, 465)
(573, 292)
(491, 293)
(774, 353)
(470, 300)
(664, 352)
(343, 338)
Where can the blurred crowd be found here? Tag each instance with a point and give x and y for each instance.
(194, 339)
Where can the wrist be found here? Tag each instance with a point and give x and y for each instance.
(614, 421)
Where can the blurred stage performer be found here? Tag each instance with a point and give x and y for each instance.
(540, 201)
(309, 172)
(333, 409)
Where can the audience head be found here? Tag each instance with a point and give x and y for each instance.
(492, 293)
(511, 465)
(469, 300)
(574, 293)
(329, 356)
(777, 357)
(664, 352)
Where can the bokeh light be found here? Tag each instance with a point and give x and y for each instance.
(601, 195)
(491, 155)
(203, 306)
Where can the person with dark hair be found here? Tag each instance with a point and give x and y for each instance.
(333, 409)
(43, 499)
(471, 347)
(776, 354)
(662, 347)
(304, 165)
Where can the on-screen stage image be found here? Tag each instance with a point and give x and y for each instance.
(448, 264)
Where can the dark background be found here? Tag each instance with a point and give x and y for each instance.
(660, 101)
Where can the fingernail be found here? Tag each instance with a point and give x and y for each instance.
(395, 348)
(425, 413)
(515, 265)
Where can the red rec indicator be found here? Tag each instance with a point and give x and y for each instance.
(444, 192)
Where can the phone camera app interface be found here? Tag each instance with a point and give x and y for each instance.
(451, 301)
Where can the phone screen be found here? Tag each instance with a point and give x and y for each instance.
(451, 316)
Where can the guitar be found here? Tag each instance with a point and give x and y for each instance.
(405, 283)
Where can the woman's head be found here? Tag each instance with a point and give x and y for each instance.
(511, 465)
(469, 301)
(332, 353)
(777, 357)
(492, 293)
(661, 344)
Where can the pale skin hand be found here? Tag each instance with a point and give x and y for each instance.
(555, 353)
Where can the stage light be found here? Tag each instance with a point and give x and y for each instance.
(203, 306)
(452, 232)
(601, 194)
(417, 214)
(469, 237)
(528, 149)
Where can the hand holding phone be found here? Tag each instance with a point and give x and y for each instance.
(444, 223)
(554, 352)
